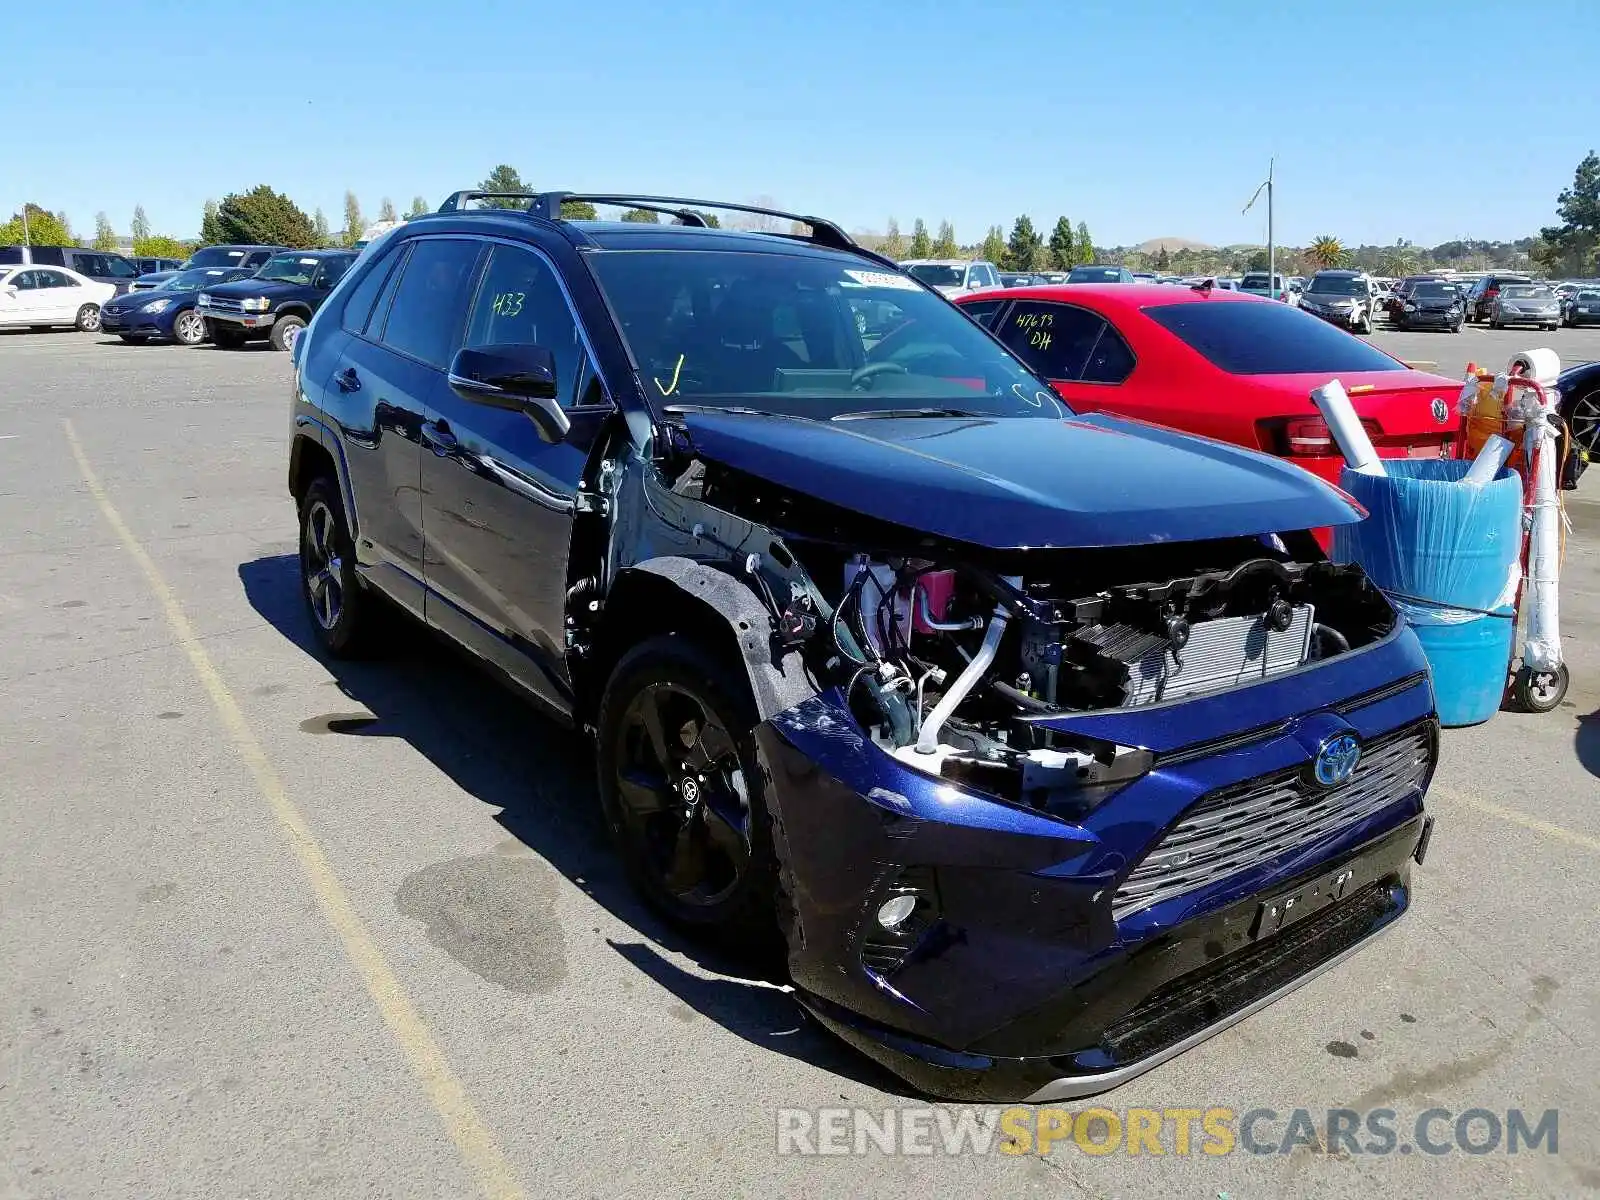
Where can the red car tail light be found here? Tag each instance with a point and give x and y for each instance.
(1306, 437)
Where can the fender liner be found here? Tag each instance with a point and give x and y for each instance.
(778, 683)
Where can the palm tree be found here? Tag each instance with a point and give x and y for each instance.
(1326, 251)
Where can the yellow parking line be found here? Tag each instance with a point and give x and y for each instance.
(467, 1130)
(1570, 836)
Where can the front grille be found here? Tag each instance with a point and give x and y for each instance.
(1244, 824)
(224, 304)
(1201, 998)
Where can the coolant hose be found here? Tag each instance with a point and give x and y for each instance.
(928, 738)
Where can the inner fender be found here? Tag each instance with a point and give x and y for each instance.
(778, 682)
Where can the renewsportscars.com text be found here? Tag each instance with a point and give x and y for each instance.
(955, 1130)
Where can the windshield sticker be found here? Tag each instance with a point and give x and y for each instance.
(882, 279)
(308, 262)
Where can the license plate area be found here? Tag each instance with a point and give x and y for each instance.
(1284, 910)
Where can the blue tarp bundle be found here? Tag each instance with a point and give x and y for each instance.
(1446, 554)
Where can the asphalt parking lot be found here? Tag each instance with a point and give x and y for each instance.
(273, 927)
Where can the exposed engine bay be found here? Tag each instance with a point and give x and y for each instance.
(956, 658)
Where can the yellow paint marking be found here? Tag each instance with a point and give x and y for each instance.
(478, 1148)
(1570, 836)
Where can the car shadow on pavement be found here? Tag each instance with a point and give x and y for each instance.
(505, 753)
(1587, 742)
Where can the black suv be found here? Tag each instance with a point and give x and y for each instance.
(1480, 300)
(275, 303)
(102, 266)
(879, 652)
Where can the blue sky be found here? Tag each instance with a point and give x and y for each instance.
(1142, 119)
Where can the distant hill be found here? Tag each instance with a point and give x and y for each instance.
(1171, 244)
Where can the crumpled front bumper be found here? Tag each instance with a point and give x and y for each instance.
(1017, 981)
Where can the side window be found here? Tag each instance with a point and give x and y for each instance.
(520, 303)
(1110, 361)
(88, 264)
(984, 311)
(1053, 339)
(52, 279)
(425, 316)
(358, 307)
(24, 281)
(120, 268)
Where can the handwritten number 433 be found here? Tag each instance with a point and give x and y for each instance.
(508, 304)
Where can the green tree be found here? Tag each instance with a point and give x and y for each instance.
(503, 178)
(157, 245)
(210, 229)
(582, 210)
(44, 228)
(1163, 261)
(320, 230)
(1084, 247)
(921, 245)
(1022, 245)
(642, 216)
(386, 210)
(1257, 260)
(354, 222)
(894, 246)
(993, 248)
(264, 216)
(1570, 246)
(105, 237)
(419, 206)
(1325, 251)
(944, 246)
(1061, 245)
(140, 228)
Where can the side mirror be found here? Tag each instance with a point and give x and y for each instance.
(514, 378)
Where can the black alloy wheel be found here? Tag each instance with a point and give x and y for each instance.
(342, 613)
(681, 792)
(1583, 422)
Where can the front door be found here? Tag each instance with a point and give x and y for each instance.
(498, 502)
(57, 295)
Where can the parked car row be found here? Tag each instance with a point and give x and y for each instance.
(227, 295)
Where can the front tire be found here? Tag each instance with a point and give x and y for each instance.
(680, 789)
(88, 319)
(343, 615)
(284, 332)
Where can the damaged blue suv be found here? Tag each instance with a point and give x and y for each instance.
(1049, 744)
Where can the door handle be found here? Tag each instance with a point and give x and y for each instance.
(437, 435)
(348, 380)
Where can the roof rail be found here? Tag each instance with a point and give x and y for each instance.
(548, 205)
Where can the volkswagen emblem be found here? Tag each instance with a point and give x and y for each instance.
(1336, 760)
(1441, 410)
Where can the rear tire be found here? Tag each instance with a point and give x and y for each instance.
(344, 616)
(681, 791)
(284, 332)
(88, 319)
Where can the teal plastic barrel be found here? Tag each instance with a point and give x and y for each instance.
(1444, 552)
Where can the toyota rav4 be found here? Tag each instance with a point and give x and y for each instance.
(1048, 745)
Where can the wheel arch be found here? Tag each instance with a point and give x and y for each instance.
(296, 308)
(310, 457)
(701, 602)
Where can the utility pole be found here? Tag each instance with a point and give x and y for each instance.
(27, 253)
(1272, 250)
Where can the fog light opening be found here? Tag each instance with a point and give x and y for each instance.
(894, 911)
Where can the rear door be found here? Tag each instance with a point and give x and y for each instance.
(57, 296)
(498, 502)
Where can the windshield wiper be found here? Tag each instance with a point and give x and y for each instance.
(874, 413)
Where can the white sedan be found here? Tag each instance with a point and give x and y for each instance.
(42, 297)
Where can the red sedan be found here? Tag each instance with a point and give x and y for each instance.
(1218, 363)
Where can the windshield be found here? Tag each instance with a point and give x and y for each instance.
(1588, 294)
(1527, 292)
(1095, 275)
(1336, 285)
(806, 336)
(1268, 339)
(216, 256)
(1435, 290)
(193, 281)
(935, 274)
(289, 268)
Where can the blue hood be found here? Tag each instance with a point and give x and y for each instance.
(1010, 483)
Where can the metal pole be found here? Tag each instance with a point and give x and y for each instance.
(1272, 257)
(27, 254)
